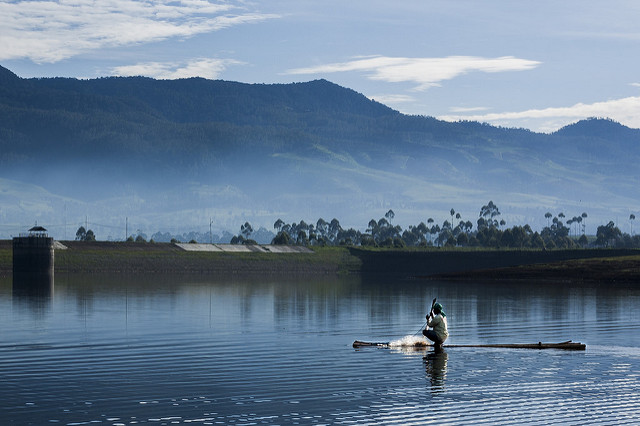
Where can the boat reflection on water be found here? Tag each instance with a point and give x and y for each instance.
(33, 290)
(435, 363)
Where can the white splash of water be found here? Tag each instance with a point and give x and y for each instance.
(409, 342)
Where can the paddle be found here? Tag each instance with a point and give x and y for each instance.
(425, 324)
(427, 321)
(432, 305)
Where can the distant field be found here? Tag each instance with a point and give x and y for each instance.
(564, 265)
(97, 257)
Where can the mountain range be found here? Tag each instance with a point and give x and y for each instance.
(131, 155)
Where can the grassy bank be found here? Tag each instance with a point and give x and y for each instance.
(6, 257)
(121, 257)
(619, 269)
(500, 264)
(563, 265)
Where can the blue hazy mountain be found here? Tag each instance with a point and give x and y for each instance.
(173, 154)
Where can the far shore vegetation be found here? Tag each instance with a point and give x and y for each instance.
(561, 232)
(490, 232)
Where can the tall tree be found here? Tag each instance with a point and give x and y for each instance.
(570, 223)
(579, 220)
(81, 234)
(389, 215)
(302, 238)
(246, 230)
(489, 213)
(372, 229)
(322, 228)
(334, 229)
(607, 235)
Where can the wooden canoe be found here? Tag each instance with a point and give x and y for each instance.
(568, 345)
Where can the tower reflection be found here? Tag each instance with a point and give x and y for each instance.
(34, 291)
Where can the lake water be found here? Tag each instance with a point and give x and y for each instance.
(119, 350)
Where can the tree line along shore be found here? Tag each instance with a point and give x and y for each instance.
(566, 265)
(561, 232)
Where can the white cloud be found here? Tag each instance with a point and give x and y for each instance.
(393, 99)
(635, 84)
(210, 68)
(50, 31)
(467, 109)
(625, 111)
(425, 72)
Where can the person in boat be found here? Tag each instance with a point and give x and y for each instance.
(436, 330)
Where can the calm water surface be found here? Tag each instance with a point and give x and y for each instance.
(193, 350)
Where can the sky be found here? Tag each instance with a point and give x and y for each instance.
(538, 65)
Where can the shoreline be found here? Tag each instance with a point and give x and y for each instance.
(623, 270)
(579, 265)
(143, 258)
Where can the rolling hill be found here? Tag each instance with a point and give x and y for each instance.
(175, 154)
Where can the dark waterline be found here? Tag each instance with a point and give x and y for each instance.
(167, 350)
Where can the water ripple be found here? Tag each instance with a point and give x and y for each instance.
(252, 354)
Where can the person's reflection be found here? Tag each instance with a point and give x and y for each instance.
(436, 367)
